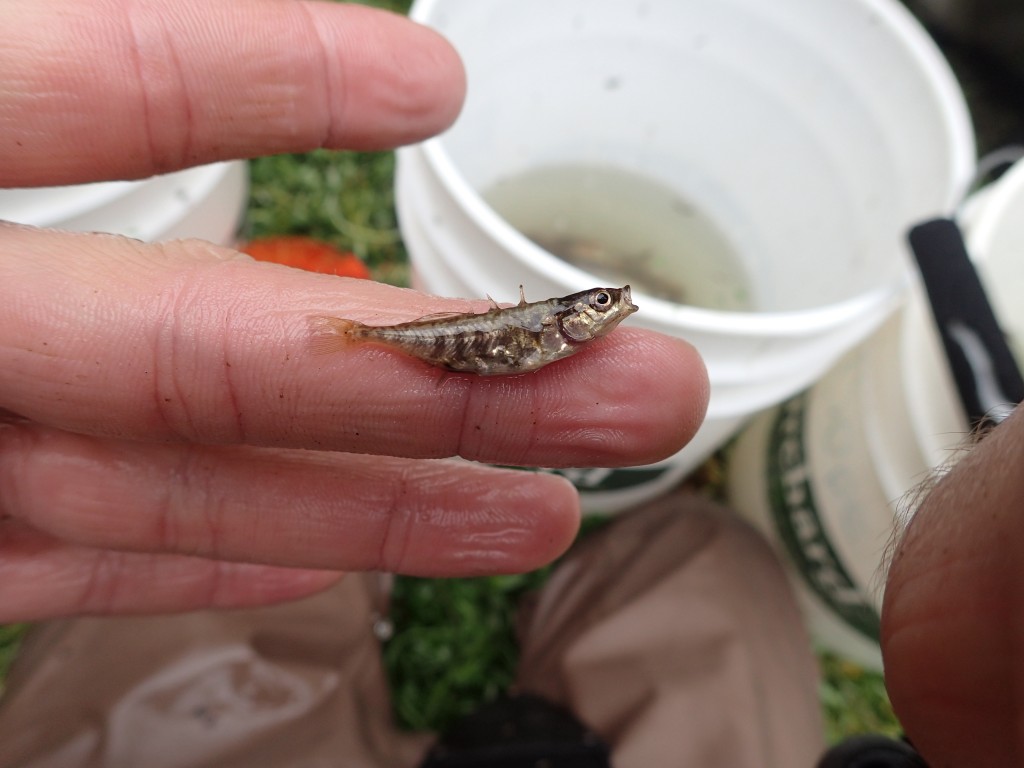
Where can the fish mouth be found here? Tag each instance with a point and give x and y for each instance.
(627, 298)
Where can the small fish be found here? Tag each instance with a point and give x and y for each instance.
(498, 342)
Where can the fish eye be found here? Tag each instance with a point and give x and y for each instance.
(603, 299)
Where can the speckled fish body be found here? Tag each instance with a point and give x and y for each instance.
(502, 341)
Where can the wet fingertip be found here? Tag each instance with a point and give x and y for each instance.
(639, 400)
(559, 524)
(682, 388)
(439, 54)
(415, 95)
(560, 493)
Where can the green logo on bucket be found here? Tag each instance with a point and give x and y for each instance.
(594, 480)
(796, 517)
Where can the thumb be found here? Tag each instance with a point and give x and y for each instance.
(952, 639)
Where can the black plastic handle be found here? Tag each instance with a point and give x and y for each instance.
(987, 376)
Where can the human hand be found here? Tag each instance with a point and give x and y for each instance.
(951, 629)
(167, 441)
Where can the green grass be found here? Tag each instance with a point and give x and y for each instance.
(853, 700)
(344, 198)
(454, 645)
(10, 640)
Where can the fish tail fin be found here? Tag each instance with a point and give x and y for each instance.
(329, 334)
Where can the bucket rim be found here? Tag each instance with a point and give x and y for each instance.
(790, 323)
(1000, 198)
(961, 156)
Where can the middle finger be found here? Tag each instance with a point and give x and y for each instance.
(285, 507)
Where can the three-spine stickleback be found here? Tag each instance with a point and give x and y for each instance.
(501, 341)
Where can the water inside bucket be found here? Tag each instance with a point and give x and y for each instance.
(624, 227)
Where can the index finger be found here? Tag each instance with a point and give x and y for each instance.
(186, 341)
(150, 86)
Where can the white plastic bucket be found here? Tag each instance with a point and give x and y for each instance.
(206, 202)
(825, 474)
(809, 135)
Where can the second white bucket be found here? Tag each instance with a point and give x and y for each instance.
(826, 474)
(206, 202)
(749, 168)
